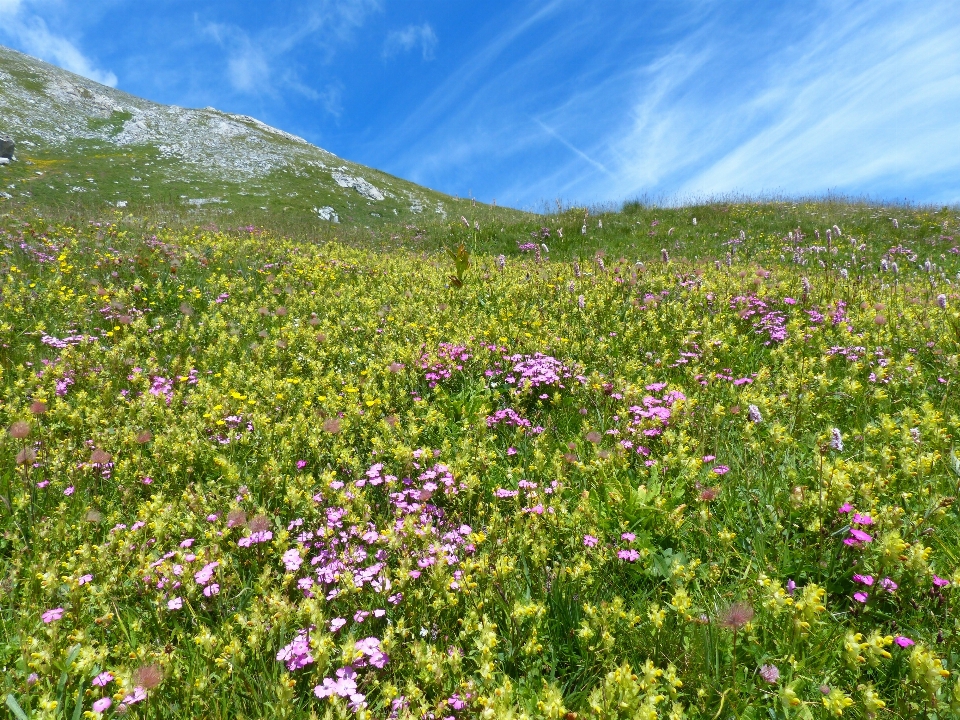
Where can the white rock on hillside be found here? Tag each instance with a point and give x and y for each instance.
(327, 213)
(363, 187)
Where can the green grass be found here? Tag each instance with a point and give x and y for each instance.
(343, 347)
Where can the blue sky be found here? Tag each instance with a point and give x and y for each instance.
(528, 102)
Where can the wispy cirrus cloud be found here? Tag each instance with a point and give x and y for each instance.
(21, 26)
(410, 38)
(260, 63)
(851, 96)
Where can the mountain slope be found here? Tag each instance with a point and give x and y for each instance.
(92, 144)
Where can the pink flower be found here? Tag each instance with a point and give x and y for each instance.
(136, 696)
(845, 508)
(102, 679)
(69, 491)
(52, 615)
(888, 585)
(628, 555)
(903, 641)
(721, 469)
(84, 579)
(211, 590)
(590, 541)
(940, 582)
(859, 519)
(336, 624)
(860, 597)
(511, 451)
(628, 536)
(864, 579)
(292, 560)
(709, 458)
(102, 705)
(175, 604)
(860, 536)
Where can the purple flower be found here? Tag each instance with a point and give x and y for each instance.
(721, 470)
(888, 585)
(770, 673)
(292, 560)
(138, 695)
(52, 615)
(296, 655)
(102, 679)
(903, 641)
(845, 508)
(858, 536)
(590, 541)
(69, 491)
(860, 597)
(863, 579)
(859, 519)
(940, 582)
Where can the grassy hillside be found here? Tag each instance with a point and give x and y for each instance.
(85, 146)
(657, 469)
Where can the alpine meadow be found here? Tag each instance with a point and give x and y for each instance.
(440, 459)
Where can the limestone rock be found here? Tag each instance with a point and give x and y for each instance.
(365, 188)
(327, 213)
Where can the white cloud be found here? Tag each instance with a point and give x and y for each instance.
(30, 33)
(260, 64)
(409, 38)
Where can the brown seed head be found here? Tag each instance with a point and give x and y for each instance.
(736, 616)
(38, 407)
(148, 676)
(236, 518)
(100, 457)
(144, 437)
(259, 523)
(26, 456)
(331, 425)
(19, 430)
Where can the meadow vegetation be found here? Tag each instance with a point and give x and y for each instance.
(692, 462)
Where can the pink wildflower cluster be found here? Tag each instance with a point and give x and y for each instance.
(449, 357)
(858, 521)
(537, 371)
(766, 320)
(297, 655)
(507, 416)
(650, 418)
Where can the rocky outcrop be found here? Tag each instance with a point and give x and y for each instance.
(365, 188)
(327, 213)
(7, 147)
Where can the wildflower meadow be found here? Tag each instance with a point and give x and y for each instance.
(696, 462)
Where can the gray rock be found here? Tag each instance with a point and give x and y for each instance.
(365, 188)
(7, 147)
(327, 213)
(4, 161)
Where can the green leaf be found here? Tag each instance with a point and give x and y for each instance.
(78, 708)
(15, 708)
